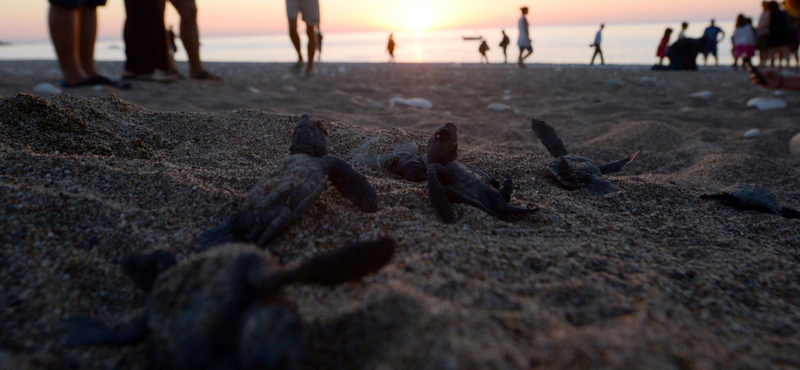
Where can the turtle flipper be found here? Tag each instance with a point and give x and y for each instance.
(790, 213)
(438, 197)
(351, 184)
(87, 332)
(144, 268)
(547, 135)
(617, 166)
(598, 186)
(507, 188)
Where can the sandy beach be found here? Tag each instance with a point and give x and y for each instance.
(647, 277)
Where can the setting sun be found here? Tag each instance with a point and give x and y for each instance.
(418, 18)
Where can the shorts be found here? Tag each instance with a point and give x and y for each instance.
(711, 49)
(309, 8)
(528, 48)
(74, 4)
(747, 51)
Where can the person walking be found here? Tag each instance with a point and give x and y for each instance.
(391, 48)
(483, 49)
(524, 41)
(684, 27)
(73, 30)
(744, 42)
(661, 53)
(504, 44)
(712, 33)
(598, 39)
(311, 17)
(190, 36)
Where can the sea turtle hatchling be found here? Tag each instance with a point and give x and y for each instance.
(752, 196)
(572, 171)
(281, 197)
(224, 308)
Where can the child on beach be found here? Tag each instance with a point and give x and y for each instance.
(483, 49)
(744, 42)
(662, 47)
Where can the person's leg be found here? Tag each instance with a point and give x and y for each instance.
(602, 60)
(594, 55)
(295, 39)
(190, 34)
(311, 31)
(88, 36)
(505, 55)
(64, 33)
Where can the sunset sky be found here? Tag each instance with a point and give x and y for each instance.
(25, 20)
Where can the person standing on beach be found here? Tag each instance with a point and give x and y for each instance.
(744, 42)
(598, 39)
(483, 49)
(391, 47)
(504, 44)
(73, 30)
(147, 48)
(661, 53)
(311, 16)
(682, 34)
(712, 33)
(190, 36)
(524, 40)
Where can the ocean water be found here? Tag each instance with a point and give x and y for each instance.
(622, 44)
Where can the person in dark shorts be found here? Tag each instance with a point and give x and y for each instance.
(73, 29)
(483, 49)
(504, 44)
(712, 33)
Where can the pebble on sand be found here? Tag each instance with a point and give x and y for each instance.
(46, 88)
(766, 103)
(613, 82)
(703, 95)
(794, 145)
(254, 90)
(752, 133)
(411, 102)
(499, 107)
(289, 89)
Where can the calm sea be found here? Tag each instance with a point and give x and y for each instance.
(622, 44)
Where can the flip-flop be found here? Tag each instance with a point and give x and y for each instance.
(298, 67)
(206, 76)
(66, 85)
(105, 81)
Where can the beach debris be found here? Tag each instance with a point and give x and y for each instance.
(752, 197)
(794, 145)
(507, 92)
(762, 103)
(752, 133)
(613, 82)
(499, 107)
(411, 102)
(506, 97)
(46, 88)
(281, 197)
(97, 88)
(572, 171)
(254, 90)
(449, 180)
(226, 305)
(289, 89)
(702, 95)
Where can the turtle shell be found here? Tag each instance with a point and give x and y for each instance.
(753, 196)
(573, 171)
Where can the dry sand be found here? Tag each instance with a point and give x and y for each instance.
(648, 277)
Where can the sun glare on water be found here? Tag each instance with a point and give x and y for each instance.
(418, 18)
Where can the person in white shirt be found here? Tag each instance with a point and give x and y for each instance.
(744, 41)
(682, 34)
(598, 39)
(524, 41)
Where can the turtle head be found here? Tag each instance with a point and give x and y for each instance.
(310, 137)
(443, 145)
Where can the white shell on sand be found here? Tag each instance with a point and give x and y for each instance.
(507, 98)
(794, 146)
(46, 88)
(254, 90)
(766, 103)
(289, 89)
(752, 133)
(411, 102)
(98, 88)
(703, 95)
(499, 107)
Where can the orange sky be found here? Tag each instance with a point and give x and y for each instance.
(26, 19)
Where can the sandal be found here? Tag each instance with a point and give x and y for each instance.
(206, 76)
(105, 81)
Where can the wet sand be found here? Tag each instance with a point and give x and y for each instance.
(648, 277)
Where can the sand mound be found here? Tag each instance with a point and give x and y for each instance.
(645, 136)
(649, 276)
(44, 126)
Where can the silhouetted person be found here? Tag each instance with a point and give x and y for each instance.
(190, 37)
(762, 31)
(779, 37)
(712, 33)
(504, 44)
(598, 39)
(661, 53)
(683, 54)
(73, 29)
(390, 48)
(146, 46)
(524, 40)
(744, 41)
(311, 16)
(483, 49)
(684, 27)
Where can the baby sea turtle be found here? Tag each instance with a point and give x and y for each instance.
(279, 198)
(572, 171)
(224, 309)
(752, 196)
